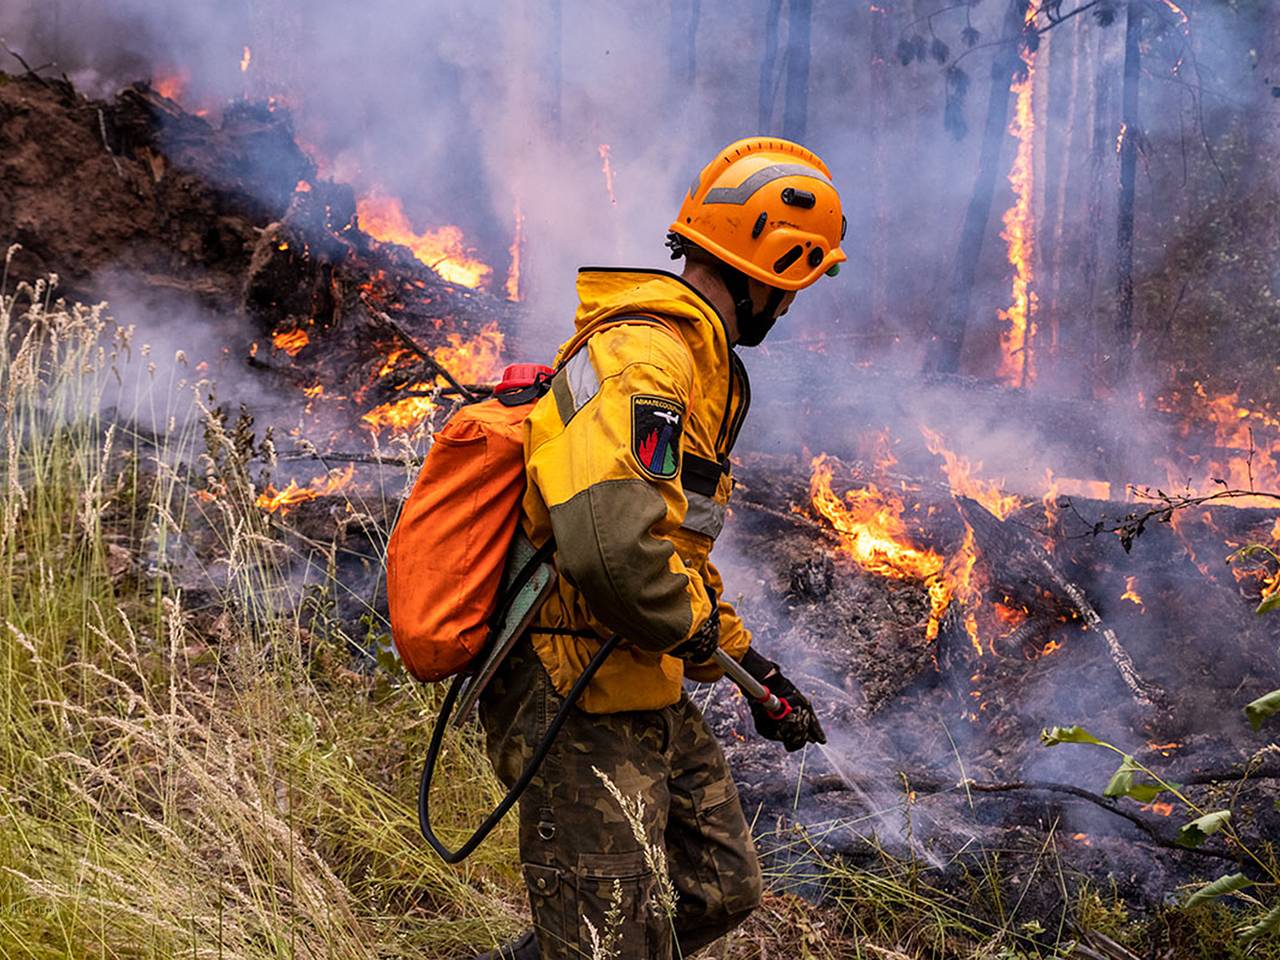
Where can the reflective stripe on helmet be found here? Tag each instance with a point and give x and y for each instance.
(745, 190)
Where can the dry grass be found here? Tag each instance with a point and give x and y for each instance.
(217, 783)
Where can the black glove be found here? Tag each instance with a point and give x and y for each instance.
(704, 641)
(796, 727)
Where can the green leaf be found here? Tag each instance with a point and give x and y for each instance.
(1269, 604)
(1067, 735)
(1268, 924)
(1219, 888)
(1122, 783)
(1145, 792)
(1197, 831)
(1260, 709)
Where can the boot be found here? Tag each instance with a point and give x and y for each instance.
(522, 948)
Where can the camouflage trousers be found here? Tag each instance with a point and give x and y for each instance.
(581, 858)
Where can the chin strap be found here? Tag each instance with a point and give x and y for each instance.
(752, 327)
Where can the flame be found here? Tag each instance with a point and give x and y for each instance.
(273, 500)
(961, 476)
(874, 536)
(172, 85)
(1131, 594)
(1053, 646)
(960, 579)
(443, 249)
(606, 167)
(517, 245)
(246, 58)
(1247, 441)
(290, 341)
(1016, 367)
(313, 391)
(477, 360)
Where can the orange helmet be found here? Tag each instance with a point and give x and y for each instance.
(767, 207)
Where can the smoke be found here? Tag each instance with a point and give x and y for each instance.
(469, 111)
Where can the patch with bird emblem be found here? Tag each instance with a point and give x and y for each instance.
(656, 425)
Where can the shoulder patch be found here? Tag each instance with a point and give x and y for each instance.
(656, 426)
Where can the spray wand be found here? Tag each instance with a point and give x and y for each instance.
(775, 706)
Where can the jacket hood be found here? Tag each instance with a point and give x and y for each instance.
(605, 292)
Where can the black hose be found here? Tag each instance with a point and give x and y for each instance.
(519, 787)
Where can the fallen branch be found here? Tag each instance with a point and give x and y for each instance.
(832, 783)
(102, 128)
(422, 353)
(25, 66)
(991, 530)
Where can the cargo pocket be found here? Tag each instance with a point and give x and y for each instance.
(616, 893)
(554, 916)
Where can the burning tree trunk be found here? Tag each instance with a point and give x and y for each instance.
(1128, 190)
(796, 108)
(947, 336)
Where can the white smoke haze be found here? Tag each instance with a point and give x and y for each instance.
(467, 111)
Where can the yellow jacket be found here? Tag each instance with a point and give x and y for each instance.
(628, 466)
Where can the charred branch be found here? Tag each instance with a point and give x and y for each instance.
(996, 537)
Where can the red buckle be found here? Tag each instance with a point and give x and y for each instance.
(517, 376)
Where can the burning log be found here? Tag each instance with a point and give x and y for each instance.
(1000, 538)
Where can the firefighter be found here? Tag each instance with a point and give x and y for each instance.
(629, 472)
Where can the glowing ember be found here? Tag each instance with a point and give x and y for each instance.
(961, 476)
(1130, 592)
(1053, 646)
(246, 58)
(173, 85)
(478, 360)
(282, 501)
(606, 167)
(290, 341)
(1016, 367)
(517, 244)
(1159, 807)
(443, 249)
(313, 391)
(874, 536)
(1177, 11)
(1124, 131)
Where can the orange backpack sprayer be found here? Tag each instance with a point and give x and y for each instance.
(463, 583)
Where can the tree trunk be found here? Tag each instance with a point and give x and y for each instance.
(1067, 148)
(795, 111)
(1099, 150)
(768, 65)
(881, 50)
(1128, 192)
(946, 338)
(555, 65)
(683, 46)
